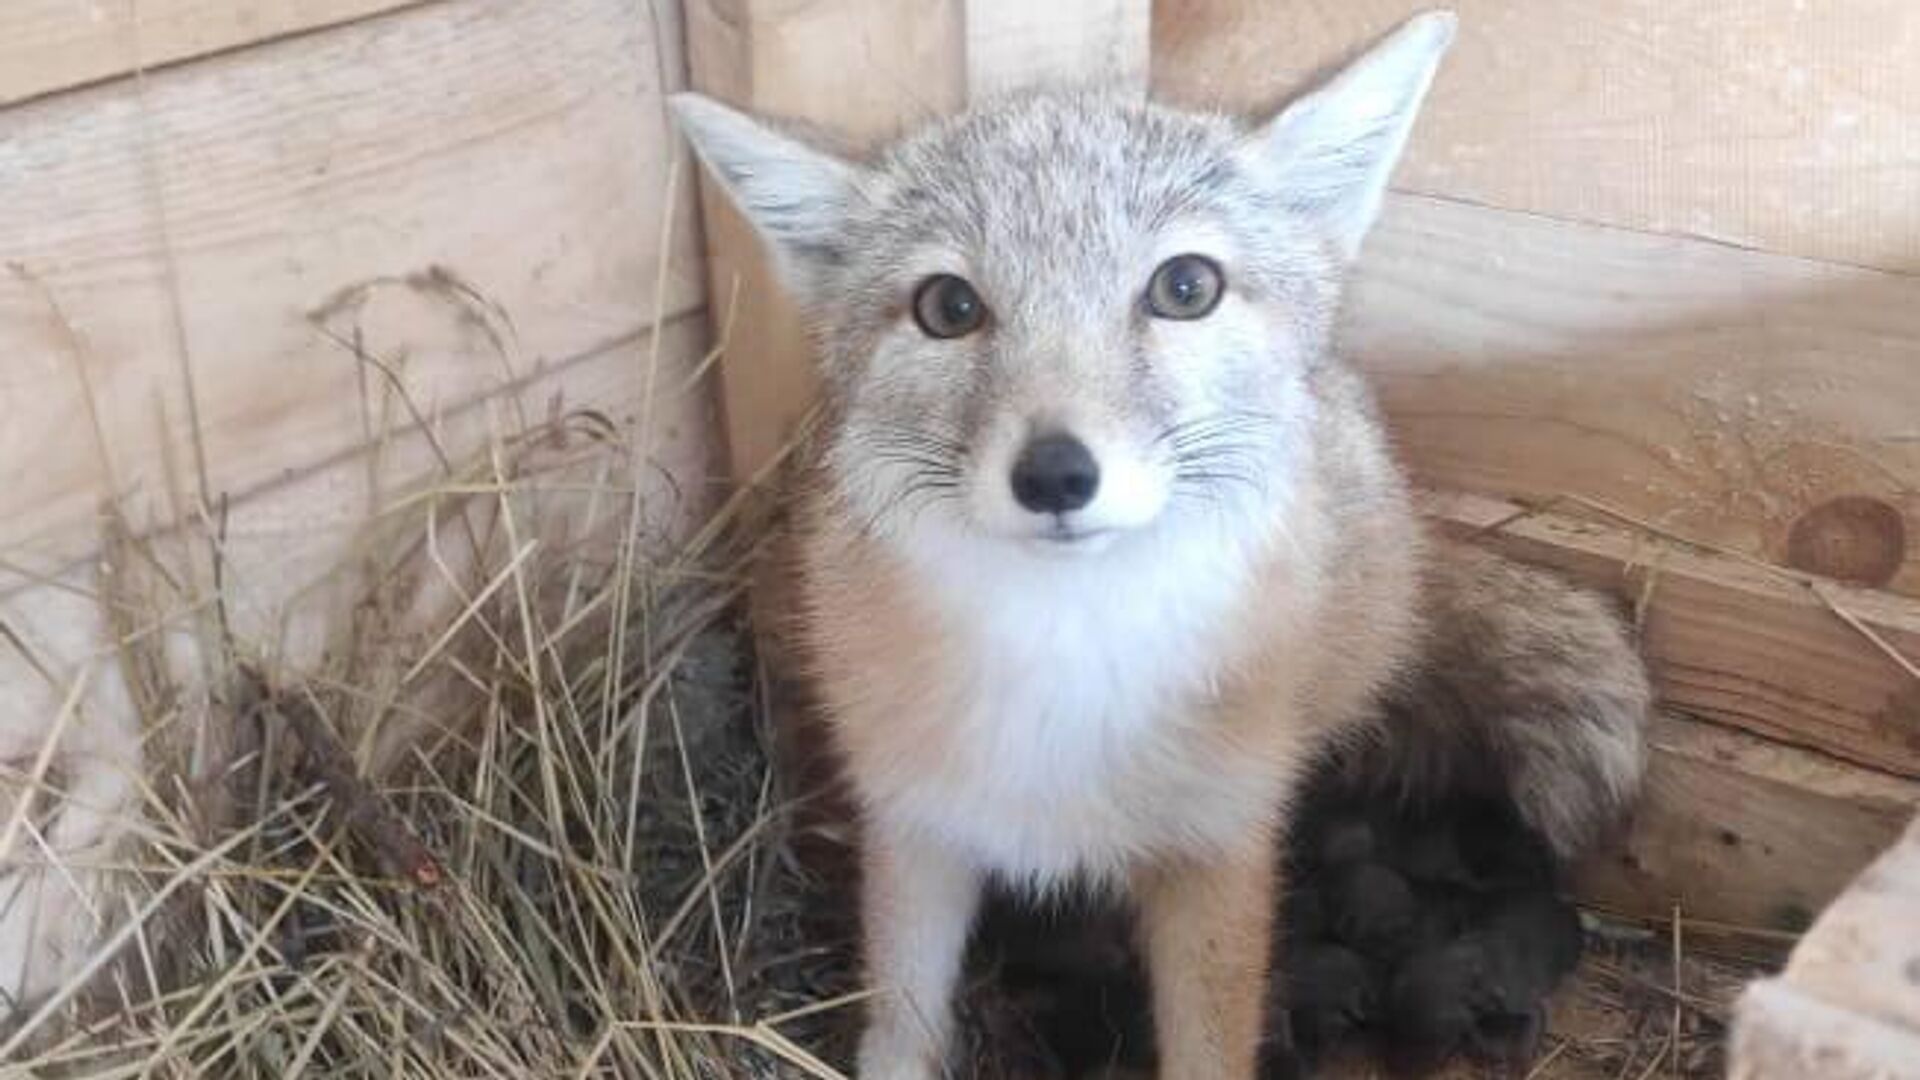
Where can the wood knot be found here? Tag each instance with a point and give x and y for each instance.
(1853, 538)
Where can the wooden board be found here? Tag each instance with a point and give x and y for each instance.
(1735, 642)
(1738, 826)
(1848, 1004)
(1011, 46)
(222, 219)
(1730, 396)
(1782, 125)
(517, 147)
(1744, 831)
(50, 45)
(288, 550)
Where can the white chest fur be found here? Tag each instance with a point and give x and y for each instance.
(1072, 737)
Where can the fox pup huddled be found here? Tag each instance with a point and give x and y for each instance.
(1104, 546)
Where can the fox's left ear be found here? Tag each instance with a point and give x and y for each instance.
(796, 197)
(1331, 152)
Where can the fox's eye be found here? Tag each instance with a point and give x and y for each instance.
(946, 306)
(1185, 287)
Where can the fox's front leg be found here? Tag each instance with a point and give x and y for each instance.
(917, 906)
(1206, 926)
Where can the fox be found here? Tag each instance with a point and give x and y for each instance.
(1103, 545)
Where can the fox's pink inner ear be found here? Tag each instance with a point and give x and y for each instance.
(795, 196)
(1330, 153)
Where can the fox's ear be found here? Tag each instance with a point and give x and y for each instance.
(795, 196)
(1330, 153)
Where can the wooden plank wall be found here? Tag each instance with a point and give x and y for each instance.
(54, 45)
(1774, 125)
(195, 193)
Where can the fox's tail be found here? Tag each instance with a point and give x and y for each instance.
(1527, 687)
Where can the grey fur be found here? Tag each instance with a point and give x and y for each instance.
(1523, 671)
(1526, 684)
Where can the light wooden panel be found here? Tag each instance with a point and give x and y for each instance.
(1741, 830)
(1009, 46)
(1865, 949)
(290, 548)
(1777, 124)
(1729, 396)
(356, 182)
(49, 45)
(521, 147)
(1733, 641)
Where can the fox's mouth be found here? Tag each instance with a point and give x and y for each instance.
(1063, 537)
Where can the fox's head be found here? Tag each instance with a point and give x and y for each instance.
(1058, 320)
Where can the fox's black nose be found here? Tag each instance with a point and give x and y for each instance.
(1055, 474)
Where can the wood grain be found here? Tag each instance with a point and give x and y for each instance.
(1728, 395)
(333, 182)
(1732, 641)
(1010, 46)
(1738, 826)
(476, 192)
(1780, 124)
(1742, 830)
(51, 45)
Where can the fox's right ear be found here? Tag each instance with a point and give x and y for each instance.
(1331, 152)
(795, 196)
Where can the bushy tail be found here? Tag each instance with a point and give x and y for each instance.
(1528, 687)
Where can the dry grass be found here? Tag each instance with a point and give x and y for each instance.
(527, 822)
(523, 821)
